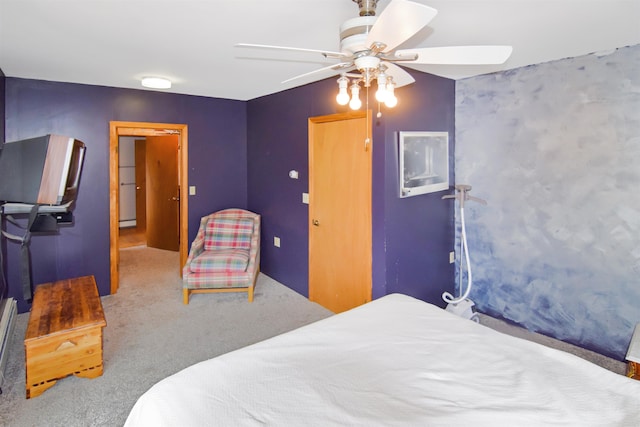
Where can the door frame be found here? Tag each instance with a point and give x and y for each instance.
(118, 129)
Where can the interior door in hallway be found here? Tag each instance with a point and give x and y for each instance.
(140, 151)
(163, 192)
(340, 210)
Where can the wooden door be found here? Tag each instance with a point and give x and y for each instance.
(141, 185)
(340, 211)
(163, 194)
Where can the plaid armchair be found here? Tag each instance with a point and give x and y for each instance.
(225, 255)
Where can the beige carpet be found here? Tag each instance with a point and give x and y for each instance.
(151, 334)
(604, 361)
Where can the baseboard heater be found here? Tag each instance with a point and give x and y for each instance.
(8, 313)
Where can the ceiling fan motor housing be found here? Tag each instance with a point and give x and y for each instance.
(353, 34)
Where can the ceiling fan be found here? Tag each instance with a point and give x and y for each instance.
(368, 45)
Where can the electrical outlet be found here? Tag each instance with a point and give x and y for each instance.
(452, 257)
(276, 241)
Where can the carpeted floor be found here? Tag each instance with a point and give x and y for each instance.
(506, 328)
(151, 334)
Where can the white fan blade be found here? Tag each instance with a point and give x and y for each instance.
(338, 68)
(326, 53)
(457, 55)
(400, 76)
(398, 22)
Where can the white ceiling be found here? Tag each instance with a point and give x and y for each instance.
(117, 42)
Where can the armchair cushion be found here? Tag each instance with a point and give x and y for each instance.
(228, 233)
(221, 260)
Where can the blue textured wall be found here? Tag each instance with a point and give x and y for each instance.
(555, 150)
(217, 164)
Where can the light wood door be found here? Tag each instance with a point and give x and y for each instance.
(141, 184)
(163, 192)
(340, 211)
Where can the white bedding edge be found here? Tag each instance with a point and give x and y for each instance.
(394, 361)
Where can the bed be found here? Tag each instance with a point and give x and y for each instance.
(395, 361)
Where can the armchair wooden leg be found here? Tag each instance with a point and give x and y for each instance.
(185, 296)
(250, 292)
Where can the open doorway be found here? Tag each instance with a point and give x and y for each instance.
(148, 131)
(132, 212)
(149, 189)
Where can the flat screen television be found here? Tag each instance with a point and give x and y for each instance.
(43, 170)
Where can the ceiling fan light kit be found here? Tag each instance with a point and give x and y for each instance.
(368, 49)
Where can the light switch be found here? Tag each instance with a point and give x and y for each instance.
(305, 198)
(276, 241)
(192, 190)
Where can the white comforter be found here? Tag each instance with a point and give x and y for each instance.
(395, 361)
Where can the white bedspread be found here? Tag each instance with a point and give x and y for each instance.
(395, 361)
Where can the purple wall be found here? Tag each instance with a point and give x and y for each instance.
(419, 230)
(411, 237)
(240, 154)
(3, 245)
(217, 164)
(277, 135)
(3, 80)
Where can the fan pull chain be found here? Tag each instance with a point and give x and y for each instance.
(367, 140)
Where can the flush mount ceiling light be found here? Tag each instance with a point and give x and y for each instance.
(156, 83)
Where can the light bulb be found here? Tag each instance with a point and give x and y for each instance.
(355, 102)
(391, 100)
(343, 96)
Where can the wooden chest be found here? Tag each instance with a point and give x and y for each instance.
(64, 334)
(633, 370)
